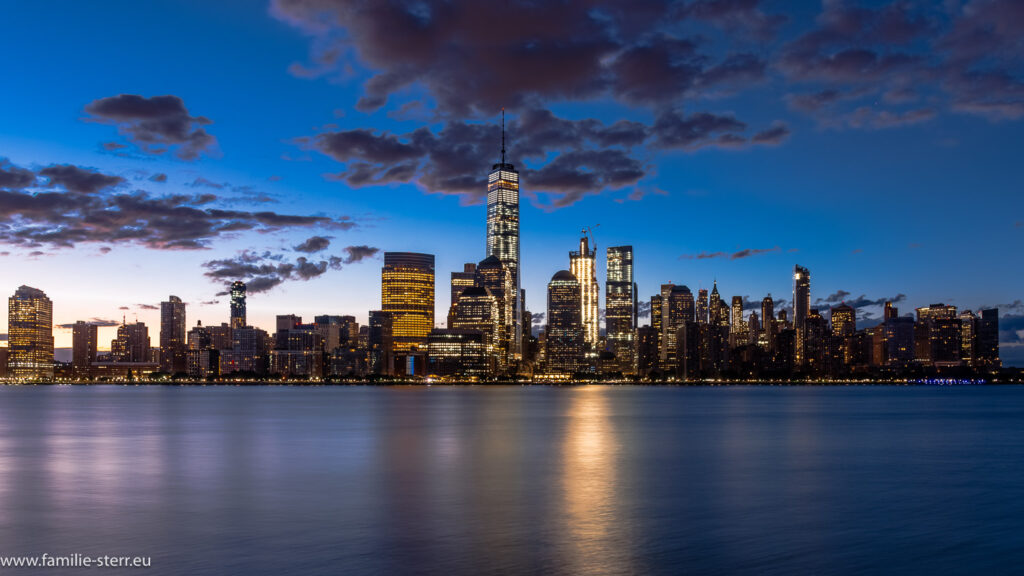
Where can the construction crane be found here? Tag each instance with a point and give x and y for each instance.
(588, 232)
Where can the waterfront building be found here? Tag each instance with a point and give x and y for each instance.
(172, 336)
(461, 281)
(564, 332)
(407, 292)
(801, 309)
(503, 232)
(457, 352)
(621, 308)
(132, 344)
(84, 345)
(583, 265)
(29, 335)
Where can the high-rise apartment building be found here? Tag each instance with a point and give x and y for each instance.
(702, 306)
(172, 336)
(29, 335)
(132, 343)
(407, 292)
(84, 343)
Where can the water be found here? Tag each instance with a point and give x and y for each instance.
(481, 480)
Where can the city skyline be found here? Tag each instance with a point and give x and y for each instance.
(880, 191)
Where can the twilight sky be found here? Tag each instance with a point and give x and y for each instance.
(156, 148)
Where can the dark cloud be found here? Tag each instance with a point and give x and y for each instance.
(155, 125)
(965, 58)
(739, 16)
(147, 307)
(209, 303)
(314, 244)
(738, 255)
(14, 177)
(355, 254)
(124, 308)
(862, 301)
(632, 52)
(80, 180)
(201, 182)
(90, 211)
(160, 177)
(573, 158)
(264, 271)
(537, 318)
(773, 136)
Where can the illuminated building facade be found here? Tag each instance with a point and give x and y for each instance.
(968, 337)
(939, 335)
(131, 344)
(768, 320)
(702, 306)
(29, 334)
(84, 343)
(478, 310)
(237, 304)
(620, 308)
(801, 308)
(172, 336)
(503, 232)
(583, 265)
(379, 345)
(496, 278)
(987, 340)
(564, 333)
(461, 281)
(456, 352)
(738, 333)
(677, 308)
(407, 292)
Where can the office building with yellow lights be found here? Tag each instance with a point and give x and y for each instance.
(29, 335)
(407, 293)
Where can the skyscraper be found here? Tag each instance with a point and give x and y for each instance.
(496, 279)
(407, 292)
(677, 308)
(702, 306)
(172, 336)
(503, 230)
(768, 319)
(564, 352)
(801, 307)
(583, 265)
(461, 281)
(620, 307)
(132, 343)
(987, 339)
(29, 334)
(237, 304)
(738, 332)
(83, 348)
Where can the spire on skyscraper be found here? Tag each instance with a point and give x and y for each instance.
(502, 134)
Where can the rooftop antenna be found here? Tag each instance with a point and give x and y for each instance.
(502, 134)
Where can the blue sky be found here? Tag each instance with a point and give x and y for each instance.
(876, 144)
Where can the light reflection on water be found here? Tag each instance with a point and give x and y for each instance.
(481, 480)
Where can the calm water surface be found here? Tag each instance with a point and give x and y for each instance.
(443, 480)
